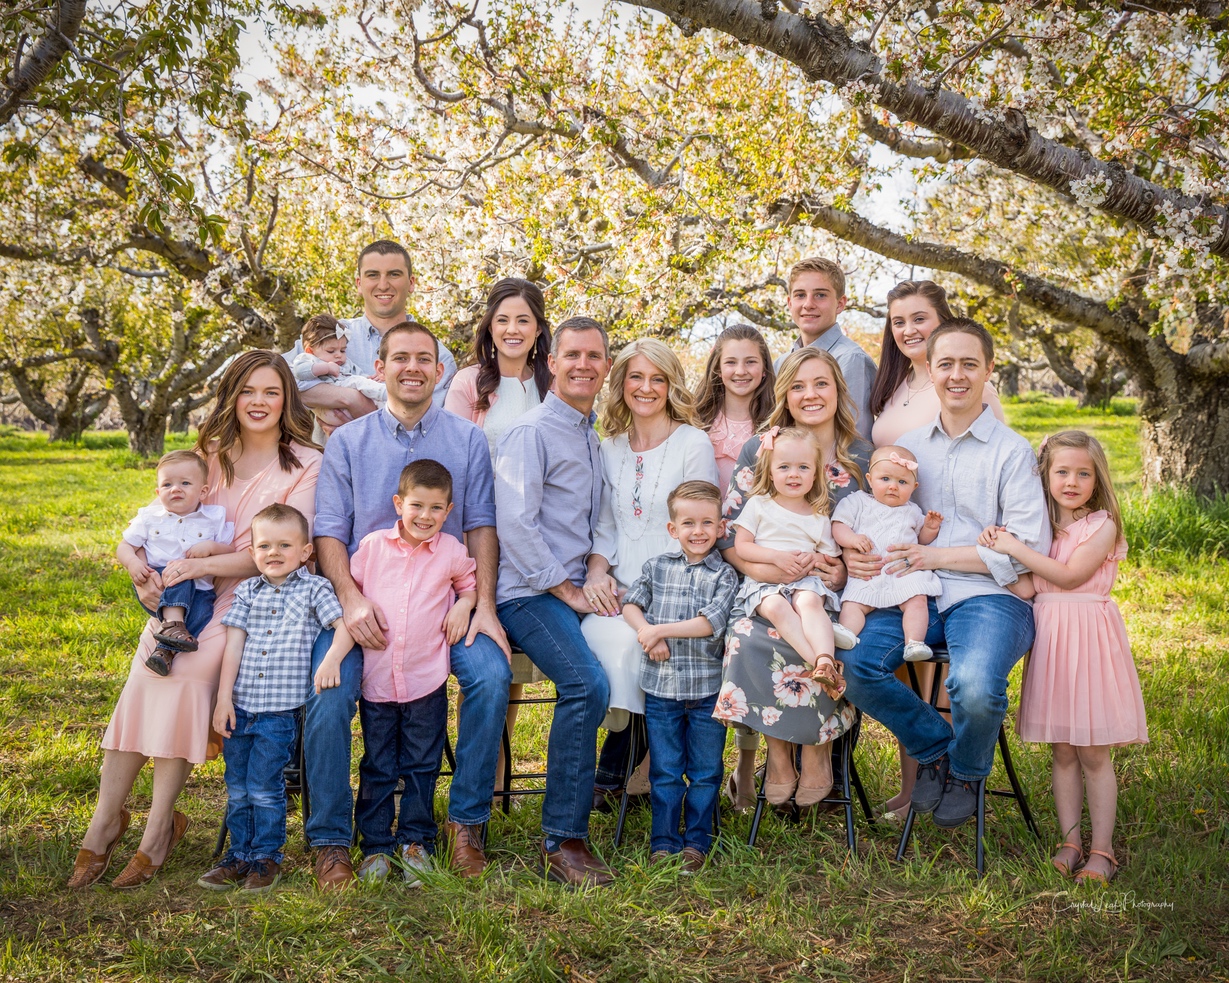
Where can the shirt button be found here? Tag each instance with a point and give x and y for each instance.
(273, 611)
(265, 652)
(270, 631)
(260, 675)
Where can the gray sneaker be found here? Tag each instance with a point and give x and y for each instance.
(414, 861)
(928, 791)
(843, 637)
(917, 652)
(374, 868)
(959, 803)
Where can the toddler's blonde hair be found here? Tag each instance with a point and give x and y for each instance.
(817, 497)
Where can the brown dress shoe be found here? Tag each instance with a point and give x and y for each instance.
(262, 875)
(334, 871)
(468, 858)
(159, 660)
(175, 635)
(139, 870)
(693, 860)
(659, 857)
(573, 864)
(89, 866)
(225, 876)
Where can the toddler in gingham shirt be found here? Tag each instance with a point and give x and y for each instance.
(679, 607)
(266, 676)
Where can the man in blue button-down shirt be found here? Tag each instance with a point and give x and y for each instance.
(354, 496)
(977, 473)
(548, 485)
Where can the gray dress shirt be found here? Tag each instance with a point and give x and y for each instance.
(857, 367)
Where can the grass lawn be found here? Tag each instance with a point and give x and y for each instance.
(797, 908)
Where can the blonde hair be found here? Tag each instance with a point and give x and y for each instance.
(824, 267)
(817, 497)
(680, 404)
(886, 451)
(843, 424)
(1103, 496)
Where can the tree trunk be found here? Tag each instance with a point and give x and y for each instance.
(1009, 378)
(147, 435)
(181, 416)
(1185, 435)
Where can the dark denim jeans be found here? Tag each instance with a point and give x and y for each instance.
(612, 760)
(548, 631)
(256, 754)
(985, 637)
(684, 740)
(197, 604)
(406, 741)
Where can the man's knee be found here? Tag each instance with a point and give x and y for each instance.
(978, 694)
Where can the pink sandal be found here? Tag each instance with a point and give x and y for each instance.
(1085, 876)
(828, 675)
(1068, 870)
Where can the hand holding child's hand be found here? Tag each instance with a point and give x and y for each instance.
(224, 717)
(660, 652)
(933, 521)
(328, 676)
(1005, 542)
(456, 624)
(796, 564)
(987, 536)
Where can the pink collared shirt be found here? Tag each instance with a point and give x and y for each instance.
(415, 586)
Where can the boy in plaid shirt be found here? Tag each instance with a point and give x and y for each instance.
(266, 676)
(679, 607)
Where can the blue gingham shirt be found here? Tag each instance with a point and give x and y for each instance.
(670, 589)
(282, 622)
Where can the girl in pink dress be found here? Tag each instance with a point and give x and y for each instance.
(257, 443)
(735, 395)
(1081, 692)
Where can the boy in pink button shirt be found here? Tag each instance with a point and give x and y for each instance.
(423, 580)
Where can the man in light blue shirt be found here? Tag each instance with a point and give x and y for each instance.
(548, 487)
(385, 282)
(977, 473)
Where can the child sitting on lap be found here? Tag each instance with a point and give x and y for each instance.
(424, 581)
(323, 359)
(679, 607)
(266, 676)
(177, 526)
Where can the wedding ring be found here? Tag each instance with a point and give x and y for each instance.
(908, 563)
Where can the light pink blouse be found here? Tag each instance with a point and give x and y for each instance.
(728, 438)
(897, 419)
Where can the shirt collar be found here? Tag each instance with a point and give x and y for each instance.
(423, 426)
(712, 559)
(296, 574)
(161, 511)
(394, 534)
(982, 428)
(824, 341)
(569, 414)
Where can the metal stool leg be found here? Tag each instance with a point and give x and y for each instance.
(1016, 787)
(981, 828)
(640, 738)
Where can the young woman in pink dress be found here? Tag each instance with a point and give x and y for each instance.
(257, 444)
(735, 395)
(1081, 692)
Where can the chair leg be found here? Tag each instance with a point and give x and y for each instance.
(905, 834)
(220, 845)
(861, 792)
(981, 827)
(639, 733)
(847, 766)
(760, 802)
(506, 797)
(1016, 788)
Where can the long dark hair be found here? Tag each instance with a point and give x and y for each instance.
(220, 431)
(710, 396)
(485, 355)
(893, 365)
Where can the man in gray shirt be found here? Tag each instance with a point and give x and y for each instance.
(977, 473)
(816, 298)
(548, 486)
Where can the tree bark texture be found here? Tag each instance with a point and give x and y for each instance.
(36, 67)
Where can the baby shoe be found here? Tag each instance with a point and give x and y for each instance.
(159, 660)
(917, 651)
(844, 638)
(175, 635)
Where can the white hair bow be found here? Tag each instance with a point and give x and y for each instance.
(344, 332)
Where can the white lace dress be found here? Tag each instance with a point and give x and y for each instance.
(886, 525)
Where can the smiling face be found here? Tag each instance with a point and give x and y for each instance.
(181, 486)
(891, 484)
(580, 368)
(514, 328)
(795, 466)
(814, 305)
(258, 406)
(385, 284)
(423, 511)
(812, 397)
(959, 370)
(913, 318)
(742, 368)
(279, 548)
(411, 370)
(696, 525)
(1072, 478)
(646, 389)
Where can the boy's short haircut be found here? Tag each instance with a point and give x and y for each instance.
(962, 325)
(425, 474)
(277, 512)
(318, 329)
(825, 267)
(184, 457)
(694, 491)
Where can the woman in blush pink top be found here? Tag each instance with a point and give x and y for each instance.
(735, 395)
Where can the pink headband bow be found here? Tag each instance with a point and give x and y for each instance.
(1042, 446)
(902, 462)
(767, 439)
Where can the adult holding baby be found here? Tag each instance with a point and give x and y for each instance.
(258, 448)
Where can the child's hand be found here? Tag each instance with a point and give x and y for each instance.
(796, 564)
(933, 521)
(328, 676)
(988, 536)
(864, 544)
(659, 652)
(140, 572)
(224, 717)
(208, 548)
(650, 638)
(1005, 543)
(456, 624)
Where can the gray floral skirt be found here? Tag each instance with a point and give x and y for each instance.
(767, 687)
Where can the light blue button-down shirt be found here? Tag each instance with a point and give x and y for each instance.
(362, 467)
(548, 489)
(362, 346)
(857, 367)
(985, 476)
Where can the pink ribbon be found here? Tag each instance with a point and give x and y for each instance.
(1042, 446)
(902, 462)
(767, 439)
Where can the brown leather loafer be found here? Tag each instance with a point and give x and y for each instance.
(140, 870)
(573, 864)
(89, 866)
(693, 860)
(262, 875)
(175, 635)
(227, 875)
(334, 870)
(468, 857)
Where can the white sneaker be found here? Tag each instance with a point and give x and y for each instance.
(374, 868)
(917, 652)
(844, 638)
(414, 861)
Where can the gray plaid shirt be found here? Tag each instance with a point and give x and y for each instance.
(282, 623)
(671, 589)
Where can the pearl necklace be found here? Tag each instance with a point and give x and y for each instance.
(914, 392)
(639, 513)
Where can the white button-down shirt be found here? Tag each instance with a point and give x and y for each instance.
(167, 536)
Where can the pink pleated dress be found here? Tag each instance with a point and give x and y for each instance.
(1080, 683)
(170, 716)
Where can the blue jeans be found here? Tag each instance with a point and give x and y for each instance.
(197, 604)
(400, 740)
(484, 674)
(256, 754)
(985, 637)
(684, 739)
(548, 631)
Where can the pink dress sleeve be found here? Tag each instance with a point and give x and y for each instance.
(463, 395)
(302, 494)
(1092, 525)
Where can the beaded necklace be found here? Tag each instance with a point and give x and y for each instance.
(639, 509)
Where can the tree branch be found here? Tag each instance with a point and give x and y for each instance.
(890, 136)
(28, 74)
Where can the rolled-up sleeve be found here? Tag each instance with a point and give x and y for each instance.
(641, 592)
(1023, 512)
(519, 469)
(479, 484)
(334, 492)
(718, 609)
(241, 606)
(138, 530)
